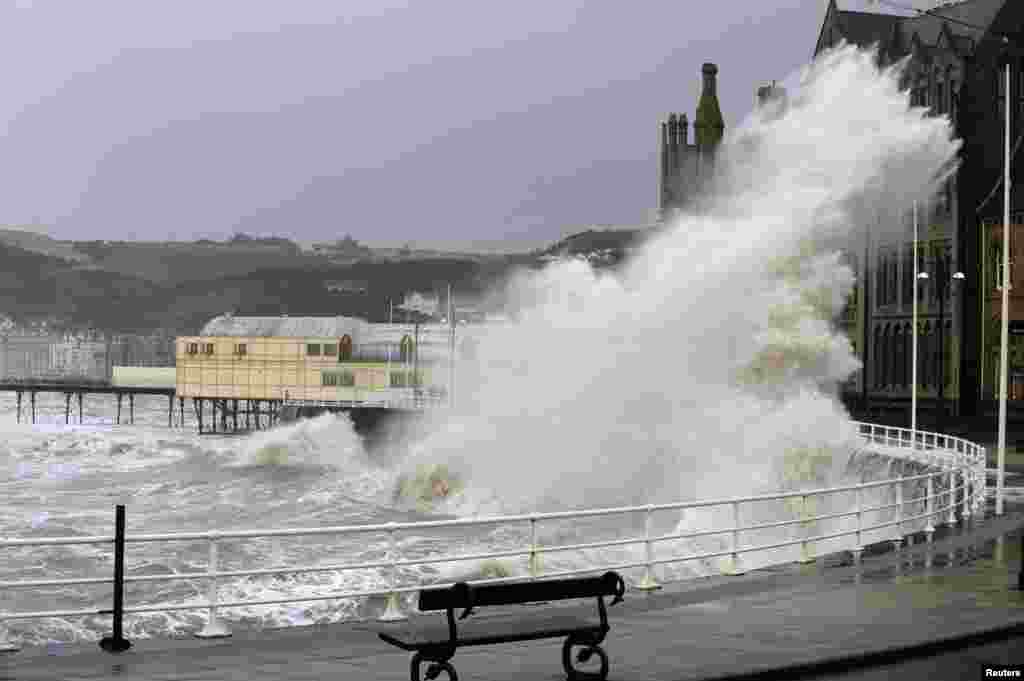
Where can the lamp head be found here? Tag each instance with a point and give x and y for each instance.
(922, 275)
(959, 275)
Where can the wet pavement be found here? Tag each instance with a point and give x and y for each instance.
(919, 606)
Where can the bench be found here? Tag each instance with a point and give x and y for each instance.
(434, 643)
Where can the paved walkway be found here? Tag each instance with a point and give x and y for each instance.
(752, 626)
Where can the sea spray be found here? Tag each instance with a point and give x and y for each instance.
(708, 366)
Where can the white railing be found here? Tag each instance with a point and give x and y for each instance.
(952, 475)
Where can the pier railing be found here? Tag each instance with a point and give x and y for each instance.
(947, 483)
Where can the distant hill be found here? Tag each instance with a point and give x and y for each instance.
(593, 240)
(41, 243)
(173, 263)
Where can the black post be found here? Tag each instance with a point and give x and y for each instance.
(1020, 573)
(19, 406)
(80, 408)
(131, 408)
(117, 643)
(181, 410)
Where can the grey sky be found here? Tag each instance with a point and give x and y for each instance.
(437, 122)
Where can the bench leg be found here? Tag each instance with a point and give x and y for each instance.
(589, 649)
(433, 671)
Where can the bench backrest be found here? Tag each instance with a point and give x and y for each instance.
(463, 595)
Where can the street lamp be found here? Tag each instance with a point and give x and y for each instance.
(913, 366)
(1004, 336)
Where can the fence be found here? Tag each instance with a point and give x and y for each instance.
(952, 478)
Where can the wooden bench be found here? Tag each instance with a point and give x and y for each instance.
(435, 643)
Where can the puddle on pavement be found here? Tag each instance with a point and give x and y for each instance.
(986, 575)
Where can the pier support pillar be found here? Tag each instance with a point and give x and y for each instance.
(224, 416)
(32, 396)
(181, 405)
(197, 406)
(131, 408)
(234, 414)
(67, 408)
(80, 414)
(119, 398)
(170, 411)
(19, 406)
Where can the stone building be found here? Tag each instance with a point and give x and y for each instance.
(954, 70)
(683, 166)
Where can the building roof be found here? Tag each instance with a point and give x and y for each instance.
(864, 29)
(284, 327)
(979, 13)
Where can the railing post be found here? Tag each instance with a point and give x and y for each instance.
(6, 644)
(534, 562)
(276, 555)
(734, 567)
(117, 643)
(898, 539)
(805, 550)
(951, 520)
(648, 582)
(858, 550)
(214, 627)
(392, 609)
(968, 495)
(929, 528)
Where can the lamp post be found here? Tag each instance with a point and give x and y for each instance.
(913, 366)
(1004, 369)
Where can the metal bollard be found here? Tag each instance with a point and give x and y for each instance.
(648, 582)
(117, 643)
(392, 609)
(214, 627)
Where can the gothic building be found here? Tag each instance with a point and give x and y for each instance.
(682, 165)
(954, 69)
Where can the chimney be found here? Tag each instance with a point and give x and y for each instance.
(710, 72)
(709, 125)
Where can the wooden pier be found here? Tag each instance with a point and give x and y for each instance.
(80, 390)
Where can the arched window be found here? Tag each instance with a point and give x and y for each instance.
(924, 370)
(948, 358)
(886, 357)
(345, 348)
(906, 355)
(405, 349)
(877, 367)
(898, 358)
(882, 276)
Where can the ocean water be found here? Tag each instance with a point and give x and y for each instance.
(706, 368)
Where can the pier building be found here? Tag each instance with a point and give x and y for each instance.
(265, 366)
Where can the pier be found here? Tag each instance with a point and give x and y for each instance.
(80, 390)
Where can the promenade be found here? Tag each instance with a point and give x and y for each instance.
(763, 624)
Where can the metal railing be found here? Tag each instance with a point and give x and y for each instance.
(950, 476)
